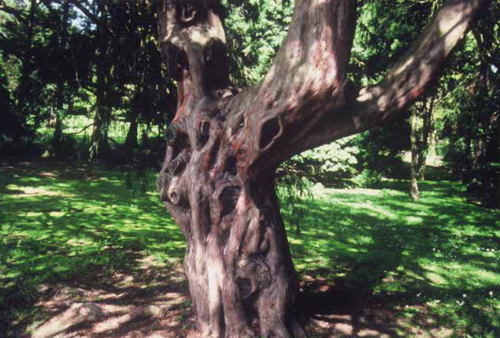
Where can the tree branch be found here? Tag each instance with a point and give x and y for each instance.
(96, 20)
(12, 11)
(308, 73)
(418, 69)
(82, 130)
(315, 54)
(305, 100)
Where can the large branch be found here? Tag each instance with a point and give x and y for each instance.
(415, 72)
(315, 55)
(305, 100)
(308, 73)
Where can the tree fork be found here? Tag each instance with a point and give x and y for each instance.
(224, 145)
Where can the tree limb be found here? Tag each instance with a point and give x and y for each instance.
(305, 97)
(416, 71)
(96, 20)
(82, 130)
(308, 73)
(12, 11)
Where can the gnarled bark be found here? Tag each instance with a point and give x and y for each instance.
(224, 146)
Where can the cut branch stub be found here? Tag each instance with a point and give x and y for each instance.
(192, 37)
(228, 199)
(270, 131)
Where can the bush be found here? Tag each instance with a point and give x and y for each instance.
(367, 178)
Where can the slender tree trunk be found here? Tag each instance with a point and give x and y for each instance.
(224, 146)
(425, 134)
(414, 193)
(102, 117)
(131, 139)
(58, 131)
(58, 128)
(24, 91)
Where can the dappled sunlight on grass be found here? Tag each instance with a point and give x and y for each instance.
(440, 252)
(60, 223)
(376, 261)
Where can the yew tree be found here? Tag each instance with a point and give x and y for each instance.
(225, 144)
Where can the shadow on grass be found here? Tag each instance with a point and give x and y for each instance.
(373, 262)
(72, 224)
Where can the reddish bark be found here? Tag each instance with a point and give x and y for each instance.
(224, 146)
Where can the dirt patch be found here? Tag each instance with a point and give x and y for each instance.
(150, 302)
(154, 302)
(49, 169)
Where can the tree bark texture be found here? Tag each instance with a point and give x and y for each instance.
(224, 146)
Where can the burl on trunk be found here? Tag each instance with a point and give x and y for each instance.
(224, 146)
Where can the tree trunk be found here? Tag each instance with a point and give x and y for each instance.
(58, 128)
(414, 193)
(427, 111)
(100, 129)
(102, 118)
(131, 140)
(24, 91)
(237, 257)
(224, 146)
(58, 131)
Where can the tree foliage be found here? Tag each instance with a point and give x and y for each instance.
(62, 59)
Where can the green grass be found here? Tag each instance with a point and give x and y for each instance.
(70, 222)
(440, 253)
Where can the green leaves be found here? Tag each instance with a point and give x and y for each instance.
(255, 32)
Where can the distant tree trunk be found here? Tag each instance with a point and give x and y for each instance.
(139, 104)
(224, 146)
(482, 86)
(420, 142)
(24, 89)
(58, 128)
(426, 132)
(131, 140)
(102, 117)
(414, 192)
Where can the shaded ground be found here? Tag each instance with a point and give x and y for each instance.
(89, 252)
(152, 302)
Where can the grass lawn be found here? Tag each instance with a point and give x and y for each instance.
(371, 261)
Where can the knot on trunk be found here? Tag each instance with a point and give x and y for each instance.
(253, 275)
(172, 190)
(228, 196)
(270, 131)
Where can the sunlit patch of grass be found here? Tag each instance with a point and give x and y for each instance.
(58, 226)
(439, 252)
(25, 192)
(65, 224)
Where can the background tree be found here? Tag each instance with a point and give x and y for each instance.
(225, 145)
(18, 38)
(421, 124)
